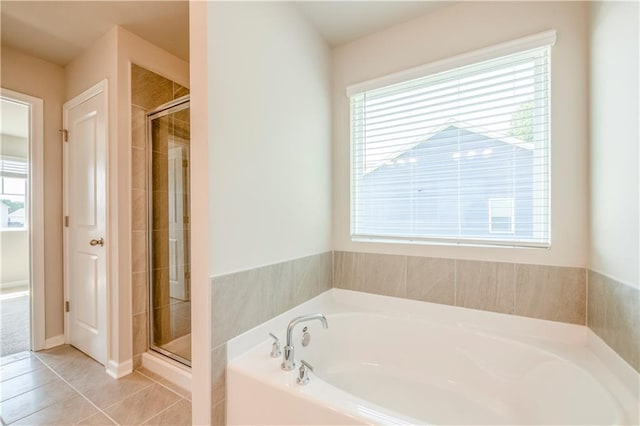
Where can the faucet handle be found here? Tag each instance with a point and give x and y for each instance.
(275, 348)
(303, 376)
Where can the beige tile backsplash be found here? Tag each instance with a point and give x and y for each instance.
(431, 279)
(613, 313)
(546, 292)
(551, 293)
(242, 300)
(489, 286)
(385, 274)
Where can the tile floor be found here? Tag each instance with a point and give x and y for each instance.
(62, 386)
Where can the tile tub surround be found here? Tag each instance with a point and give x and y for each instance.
(546, 292)
(243, 300)
(613, 313)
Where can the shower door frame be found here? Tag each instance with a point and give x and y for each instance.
(176, 105)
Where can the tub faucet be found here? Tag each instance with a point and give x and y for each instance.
(288, 362)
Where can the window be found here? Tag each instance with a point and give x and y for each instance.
(13, 190)
(501, 215)
(460, 155)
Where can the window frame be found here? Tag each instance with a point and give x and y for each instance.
(511, 216)
(541, 40)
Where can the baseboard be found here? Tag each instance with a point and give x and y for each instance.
(117, 370)
(15, 284)
(54, 341)
(169, 369)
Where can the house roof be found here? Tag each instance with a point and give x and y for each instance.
(440, 128)
(17, 214)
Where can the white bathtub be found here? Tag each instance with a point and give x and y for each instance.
(392, 361)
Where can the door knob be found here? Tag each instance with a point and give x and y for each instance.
(99, 242)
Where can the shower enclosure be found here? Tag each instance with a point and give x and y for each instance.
(168, 137)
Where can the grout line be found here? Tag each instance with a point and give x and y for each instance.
(78, 392)
(22, 393)
(119, 401)
(2, 366)
(21, 374)
(38, 410)
(143, 389)
(515, 288)
(162, 384)
(455, 282)
(161, 411)
(63, 400)
(586, 297)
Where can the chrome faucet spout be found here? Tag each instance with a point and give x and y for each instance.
(288, 362)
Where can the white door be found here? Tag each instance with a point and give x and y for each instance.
(177, 288)
(85, 191)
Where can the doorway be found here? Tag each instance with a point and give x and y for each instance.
(21, 223)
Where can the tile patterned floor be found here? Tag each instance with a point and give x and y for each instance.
(62, 386)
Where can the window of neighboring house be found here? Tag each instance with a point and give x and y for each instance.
(13, 191)
(501, 215)
(430, 153)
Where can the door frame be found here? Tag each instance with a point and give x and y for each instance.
(36, 215)
(101, 87)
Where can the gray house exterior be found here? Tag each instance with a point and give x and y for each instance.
(456, 183)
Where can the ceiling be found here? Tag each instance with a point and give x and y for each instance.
(14, 119)
(341, 22)
(58, 31)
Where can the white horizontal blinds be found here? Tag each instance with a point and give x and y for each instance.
(13, 167)
(459, 156)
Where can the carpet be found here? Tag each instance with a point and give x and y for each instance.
(14, 324)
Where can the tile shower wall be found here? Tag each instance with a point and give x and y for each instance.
(148, 91)
(613, 313)
(546, 292)
(242, 300)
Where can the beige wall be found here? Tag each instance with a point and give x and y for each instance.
(14, 265)
(14, 146)
(269, 155)
(26, 74)
(269, 168)
(614, 140)
(453, 30)
(201, 383)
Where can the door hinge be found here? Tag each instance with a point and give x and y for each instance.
(187, 275)
(185, 163)
(66, 306)
(65, 134)
(66, 221)
(186, 219)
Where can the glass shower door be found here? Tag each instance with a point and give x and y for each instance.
(169, 260)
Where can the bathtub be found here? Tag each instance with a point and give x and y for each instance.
(385, 360)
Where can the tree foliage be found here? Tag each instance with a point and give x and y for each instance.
(522, 122)
(13, 205)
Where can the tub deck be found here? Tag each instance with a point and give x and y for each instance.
(385, 360)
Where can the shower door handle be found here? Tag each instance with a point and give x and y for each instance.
(99, 242)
